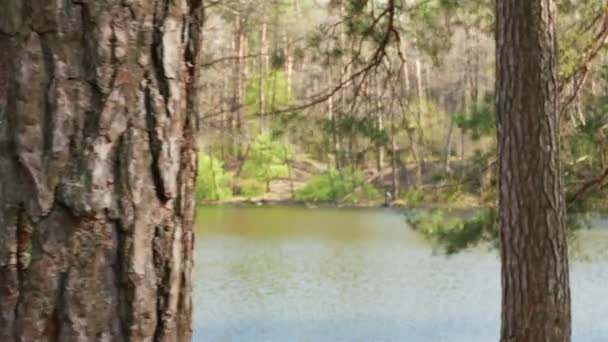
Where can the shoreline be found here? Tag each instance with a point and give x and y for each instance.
(260, 202)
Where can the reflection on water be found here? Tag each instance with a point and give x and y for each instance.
(295, 274)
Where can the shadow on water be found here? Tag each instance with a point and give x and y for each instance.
(297, 274)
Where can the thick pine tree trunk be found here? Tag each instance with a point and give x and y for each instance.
(536, 294)
(97, 167)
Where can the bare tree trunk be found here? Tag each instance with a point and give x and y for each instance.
(380, 126)
(420, 136)
(448, 143)
(263, 68)
(419, 83)
(394, 158)
(470, 91)
(536, 293)
(406, 75)
(289, 165)
(212, 171)
(239, 86)
(289, 65)
(335, 141)
(225, 124)
(98, 104)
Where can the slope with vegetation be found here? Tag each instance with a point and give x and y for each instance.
(391, 96)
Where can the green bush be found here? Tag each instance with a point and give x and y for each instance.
(251, 188)
(334, 186)
(413, 197)
(266, 160)
(213, 183)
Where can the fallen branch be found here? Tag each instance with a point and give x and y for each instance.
(587, 186)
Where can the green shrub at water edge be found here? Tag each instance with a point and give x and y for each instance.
(213, 183)
(449, 197)
(334, 186)
(251, 188)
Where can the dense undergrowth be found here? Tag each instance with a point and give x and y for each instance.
(338, 186)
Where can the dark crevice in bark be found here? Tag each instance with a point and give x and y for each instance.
(155, 145)
(16, 214)
(123, 288)
(161, 246)
(58, 317)
(129, 6)
(122, 285)
(90, 63)
(89, 44)
(126, 207)
(48, 112)
(157, 55)
(113, 59)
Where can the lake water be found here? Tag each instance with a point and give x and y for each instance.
(289, 274)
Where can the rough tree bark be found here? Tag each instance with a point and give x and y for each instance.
(97, 167)
(536, 294)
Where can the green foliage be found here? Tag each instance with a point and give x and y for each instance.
(455, 233)
(591, 135)
(277, 60)
(426, 122)
(335, 186)
(213, 183)
(584, 155)
(413, 197)
(359, 20)
(349, 125)
(481, 121)
(267, 159)
(450, 196)
(430, 27)
(574, 35)
(251, 188)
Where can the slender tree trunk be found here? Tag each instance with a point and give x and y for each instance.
(470, 90)
(239, 85)
(420, 136)
(448, 143)
(394, 158)
(213, 178)
(288, 163)
(419, 84)
(536, 294)
(263, 70)
(379, 125)
(289, 59)
(225, 124)
(471, 70)
(97, 151)
(406, 75)
(335, 141)
(406, 111)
